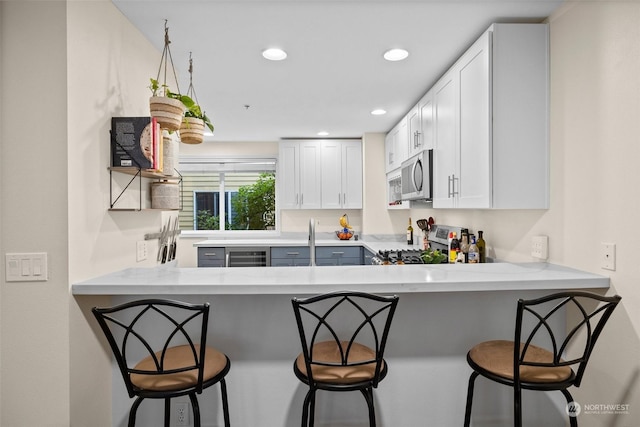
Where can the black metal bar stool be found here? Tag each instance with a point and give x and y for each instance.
(159, 358)
(343, 338)
(533, 367)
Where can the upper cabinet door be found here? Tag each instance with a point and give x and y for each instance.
(445, 164)
(341, 174)
(288, 176)
(474, 71)
(331, 174)
(396, 145)
(414, 132)
(427, 121)
(352, 174)
(310, 175)
(299, 175)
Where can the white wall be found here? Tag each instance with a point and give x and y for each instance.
(35, 332)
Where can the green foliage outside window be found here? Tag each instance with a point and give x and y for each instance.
(254, 205)
(207, 221)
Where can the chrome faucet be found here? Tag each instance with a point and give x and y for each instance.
(312, 241)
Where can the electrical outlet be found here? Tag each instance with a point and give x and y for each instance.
(182, 414)
(141, 250)
(608, 256)
(540, 247)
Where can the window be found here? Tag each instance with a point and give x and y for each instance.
(247, 187)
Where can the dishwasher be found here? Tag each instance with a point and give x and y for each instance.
(247, 256)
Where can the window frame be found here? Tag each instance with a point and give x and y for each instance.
(222, 165)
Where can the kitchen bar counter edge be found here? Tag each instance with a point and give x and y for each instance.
(394, 279)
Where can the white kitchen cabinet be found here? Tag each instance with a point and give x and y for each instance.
(446, 148)
(491, 113)
(341, 174)
(300, 175)
(420, 125)
(396, 145)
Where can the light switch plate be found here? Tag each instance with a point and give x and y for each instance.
(141, 250)
(26, 267)
(540, 247)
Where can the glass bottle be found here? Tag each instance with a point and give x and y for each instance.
(410, 234)
(464, 246)
(454, 248)
(474, 255)
(481, 247)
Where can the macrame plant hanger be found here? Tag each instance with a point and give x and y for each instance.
(191, 91)
(168, 107)
(164, 60)
(192, 128)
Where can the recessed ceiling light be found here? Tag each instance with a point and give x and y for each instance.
(395, 54)
(274, 54)
(379, 112)
(323, 133)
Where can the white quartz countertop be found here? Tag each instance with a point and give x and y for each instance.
(397, 279)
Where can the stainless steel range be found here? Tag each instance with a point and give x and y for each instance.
(397, 256)
(438, 236)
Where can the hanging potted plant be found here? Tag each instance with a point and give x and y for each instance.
(166, 106)
(194, 121)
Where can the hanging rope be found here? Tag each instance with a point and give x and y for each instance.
(191, 91)
(165, 59)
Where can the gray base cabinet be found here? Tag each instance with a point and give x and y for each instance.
(211, 257)
(292, 256)
(338, 255)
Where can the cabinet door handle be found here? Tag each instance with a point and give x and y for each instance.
(453, 185)
(293, 253)
(344, 198)
(209, 254)
(302, 199)
(338, 198)
(449, 186)
(337, 253)
(418, 139)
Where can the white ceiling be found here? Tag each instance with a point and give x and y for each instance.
(334, 75)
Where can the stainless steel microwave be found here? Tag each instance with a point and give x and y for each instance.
(417, 176)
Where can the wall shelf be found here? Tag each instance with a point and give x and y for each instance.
(137, 174)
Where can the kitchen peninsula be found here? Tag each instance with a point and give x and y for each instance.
(443, 311)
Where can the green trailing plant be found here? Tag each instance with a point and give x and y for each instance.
(195, 111)
(163, 90)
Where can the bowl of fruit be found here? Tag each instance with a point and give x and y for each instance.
(344, 234)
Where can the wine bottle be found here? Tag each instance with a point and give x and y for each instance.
(410, 234)
(481, 247)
